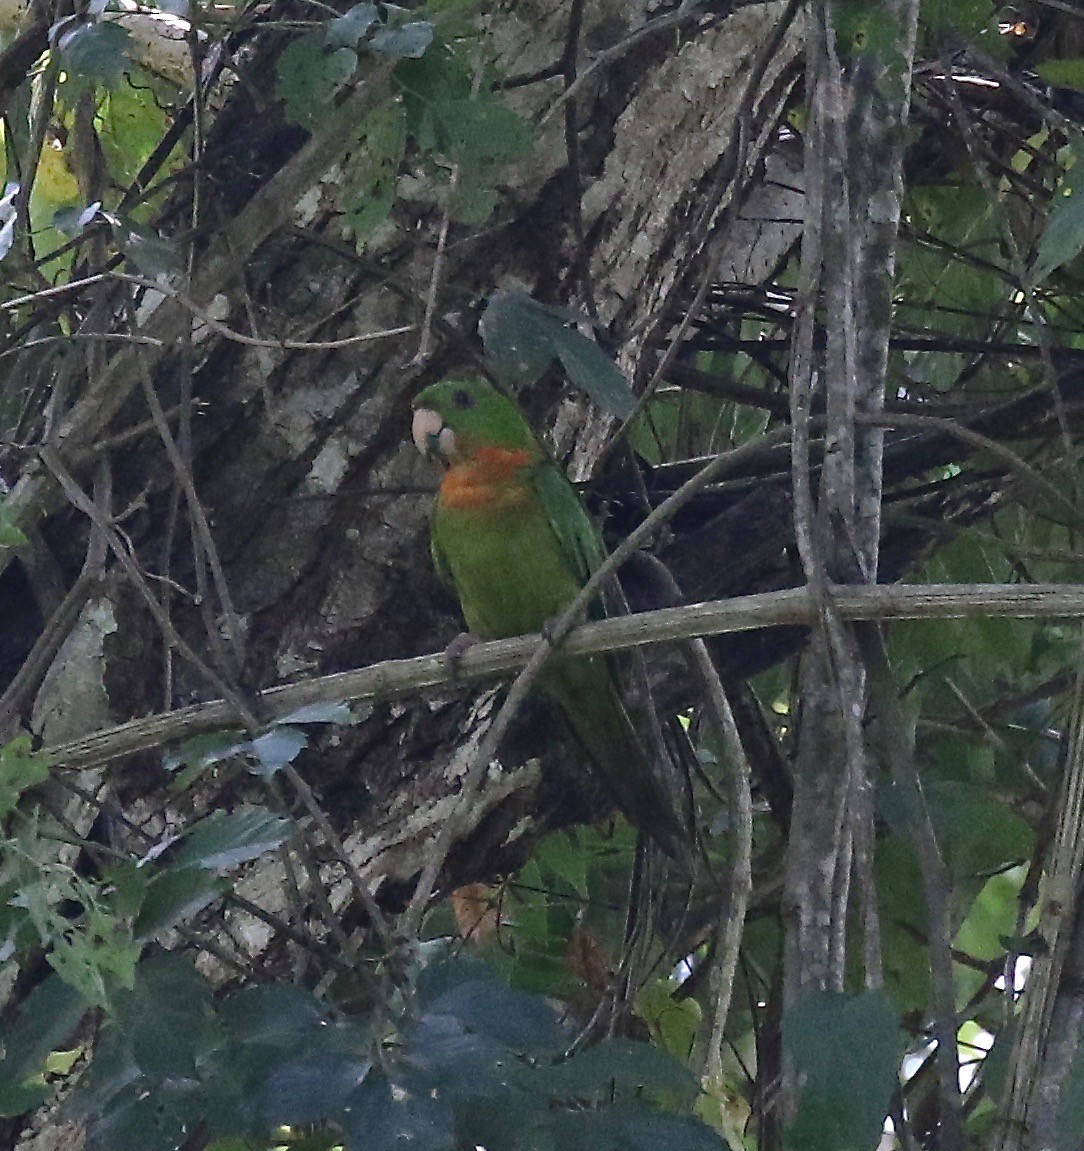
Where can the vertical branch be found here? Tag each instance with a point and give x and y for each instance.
(1036, 1076)
(894, 747)
(854, 155)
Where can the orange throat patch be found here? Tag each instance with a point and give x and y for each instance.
(489, 478)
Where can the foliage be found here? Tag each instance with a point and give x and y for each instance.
(474, 1062)
(546, 1007)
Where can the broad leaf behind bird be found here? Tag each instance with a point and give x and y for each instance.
(510, 533)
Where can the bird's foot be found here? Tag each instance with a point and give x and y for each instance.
(454, 652)
(550, 632)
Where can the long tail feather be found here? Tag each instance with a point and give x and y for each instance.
(585, 691)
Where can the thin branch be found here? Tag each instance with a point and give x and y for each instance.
(238, 709)
(730, 929)
(405, 677)
(895, 749)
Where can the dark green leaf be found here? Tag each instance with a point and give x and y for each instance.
(96, 52)
(310, 1090)
(151, 254)
(167, 1017)
(1063, 73)
(449, 1058)
(518, 337)
(376, 1119)
(372, 169)
(138, 1120)
(633, 1130)
(620, 1062)
(47, 1017)
(977, 832)
(593, 372)
(516, 1019)
(175, 895)
(348, 30)
(522, 338)
(1063, 237)
(407, 42)
(204, 750)
(273, 750)
(273, 1014)
(20, 1098)
(845, 1051)
(310, 73)
(111, 1071)
(225, 839)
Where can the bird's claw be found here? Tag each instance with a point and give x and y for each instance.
(550, 632)
(457, 648)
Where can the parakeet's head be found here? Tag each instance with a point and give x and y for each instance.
(455, 419)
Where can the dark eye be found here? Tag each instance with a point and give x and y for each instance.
(462, 399)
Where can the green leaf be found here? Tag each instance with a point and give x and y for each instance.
(407, 42)
(305, 1091)
(310, 73)
(1063, 236)
(373, 168)
(225, 839)
(206, 749)
(21, 1098)
(565, 858)
(674, 1022)
(20, 768)
(593, 1073)
(845, 1051)
(378, 1119)
(276, 748)
(1063, 73)
(11, 536)
(978, 833)
(167, 1017)
(518, 337)
(481, 132)
(523, 337)
(151, 254)
(47, 1017)
(274, 1014)
(142, 1120)
(348, 30)
(174, 896)
(513, 1018)
(593, 372)
(96, 52)
(621, 1129)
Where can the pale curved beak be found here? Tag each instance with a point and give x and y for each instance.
(431, 437)
(426, 430)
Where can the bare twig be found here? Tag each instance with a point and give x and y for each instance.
(238, 707)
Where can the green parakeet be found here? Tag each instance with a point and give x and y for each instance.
(511, 534)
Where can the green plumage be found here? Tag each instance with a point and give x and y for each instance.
(513, 537)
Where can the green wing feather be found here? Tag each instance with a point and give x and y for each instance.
(440, 561)
(577, 535)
